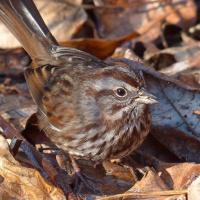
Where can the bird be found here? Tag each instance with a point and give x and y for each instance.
(91, 112)
(90, 108)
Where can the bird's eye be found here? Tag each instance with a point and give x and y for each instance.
(121, 92)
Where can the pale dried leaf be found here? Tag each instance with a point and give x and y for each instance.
(194, 190)
(23, 183)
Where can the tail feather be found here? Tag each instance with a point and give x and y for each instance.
(23, 19)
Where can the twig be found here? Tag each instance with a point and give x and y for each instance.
(146, 194)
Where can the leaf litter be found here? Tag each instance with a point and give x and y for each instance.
(166, 166)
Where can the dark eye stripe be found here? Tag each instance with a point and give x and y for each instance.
(98, 94)
(103, 93)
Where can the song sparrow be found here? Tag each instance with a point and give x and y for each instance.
(87, 107)
(90, 109)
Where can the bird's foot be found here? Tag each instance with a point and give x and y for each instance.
(83, 179)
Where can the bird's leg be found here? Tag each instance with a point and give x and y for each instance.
(68, 163)
(82, 178)
(64, 162)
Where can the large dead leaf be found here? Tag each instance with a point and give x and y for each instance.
(101, 48)
(184, 146)
(176, 108)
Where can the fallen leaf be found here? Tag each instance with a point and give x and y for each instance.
(20, 182)
(184, 146)
(164, 59)
(175, 107)
(193, 190)
(101, 48)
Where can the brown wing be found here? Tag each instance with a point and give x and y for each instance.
(37, 79)
(52, 90)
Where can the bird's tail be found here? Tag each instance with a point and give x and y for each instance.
(25, 22)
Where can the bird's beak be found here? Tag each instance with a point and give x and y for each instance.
(146, 98)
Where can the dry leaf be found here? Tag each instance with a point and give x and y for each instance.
(194, 190)
(184, 146)
(20, 182)
(99, 47)
(164, 59)
(176, 107)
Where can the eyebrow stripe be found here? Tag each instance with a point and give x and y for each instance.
(118, 75)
